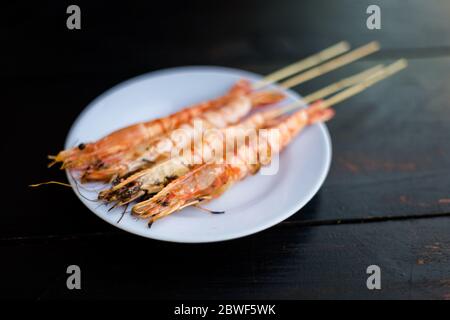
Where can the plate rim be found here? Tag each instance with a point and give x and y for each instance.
(270, 223)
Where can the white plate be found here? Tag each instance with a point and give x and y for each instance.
(252, 205)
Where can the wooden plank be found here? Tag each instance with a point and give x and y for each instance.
(287, 262)
(134, 38)
(390, 149)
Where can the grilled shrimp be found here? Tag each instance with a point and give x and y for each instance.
(210, 180)
(92, 154)
(147, 182)
(147, 154)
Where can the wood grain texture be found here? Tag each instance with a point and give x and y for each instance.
(389, 147)
(138, 37)
(286, 262)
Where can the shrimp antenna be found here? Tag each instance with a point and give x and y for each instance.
(50, 182)
(123, 213)
(90, 190)
(101, 204)
(81, 186)
(209, 210)
(51, 164)
(77, 187)
(113, 206)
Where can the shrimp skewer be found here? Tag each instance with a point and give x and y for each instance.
(210, 180)
(149, 181)
(154, 178)
(93, 154)
(146, 154)
(137, 159)
(126, 138)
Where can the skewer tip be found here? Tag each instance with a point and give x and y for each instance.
(345, 45)
(402, 62)
(375, 44)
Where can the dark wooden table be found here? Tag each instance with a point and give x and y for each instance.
(386, 200)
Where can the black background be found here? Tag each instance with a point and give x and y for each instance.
(386, 200)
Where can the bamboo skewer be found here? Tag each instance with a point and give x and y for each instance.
(341, 84)
(370, 80)
(332, 65)
(303, 64)
(381, 75)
